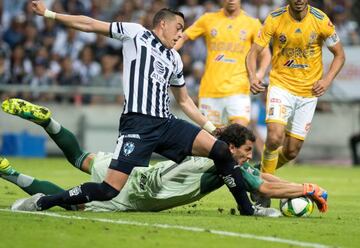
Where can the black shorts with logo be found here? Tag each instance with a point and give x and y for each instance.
(141, 135)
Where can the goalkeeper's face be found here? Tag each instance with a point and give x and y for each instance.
(243, 153)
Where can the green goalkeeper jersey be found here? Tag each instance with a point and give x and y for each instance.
(164, 185)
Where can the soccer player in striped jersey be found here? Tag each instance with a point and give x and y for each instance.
(155, 188)
(298, 32)
(151, 66)
(224, 94)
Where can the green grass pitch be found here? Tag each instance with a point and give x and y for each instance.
(207, 223)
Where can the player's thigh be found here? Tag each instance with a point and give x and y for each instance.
(178, 140)
(301, 121)
(237, 109)
(213, 109)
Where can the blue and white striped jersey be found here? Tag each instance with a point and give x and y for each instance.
(149, 70)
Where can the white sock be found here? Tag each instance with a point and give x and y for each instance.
(24, 180)
(54, 127)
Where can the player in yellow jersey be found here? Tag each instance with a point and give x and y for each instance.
(298, 32)
(224, 94)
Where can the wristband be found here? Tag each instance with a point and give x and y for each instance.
(208, 126)
(49, 14)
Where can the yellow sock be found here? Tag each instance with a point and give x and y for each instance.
(269, 160)
(282, 159)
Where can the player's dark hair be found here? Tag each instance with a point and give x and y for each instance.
(236, 134)
(165, 13)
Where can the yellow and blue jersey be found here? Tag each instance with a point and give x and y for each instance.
(297, 48)
(228, 41)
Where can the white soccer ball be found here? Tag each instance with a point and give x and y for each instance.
(297, 207)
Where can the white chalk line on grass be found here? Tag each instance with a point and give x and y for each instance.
(185, 228)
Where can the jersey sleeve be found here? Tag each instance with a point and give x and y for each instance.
(177, 78)
(197, 29)
(266, 32)
(328, 33)
(123, 30)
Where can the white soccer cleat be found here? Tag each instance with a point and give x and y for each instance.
(266, 212)
(27, 204)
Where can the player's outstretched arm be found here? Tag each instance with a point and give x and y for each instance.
(189, 108)
(251, 59)
(79, 22)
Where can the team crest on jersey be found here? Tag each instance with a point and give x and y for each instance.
(129, 147)
(243, 34)
(213, 32)
(282, 38)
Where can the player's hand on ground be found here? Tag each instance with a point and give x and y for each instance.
(256, 86)
(38, 7)
(320, 87)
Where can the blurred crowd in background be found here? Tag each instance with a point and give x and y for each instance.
(41, 54)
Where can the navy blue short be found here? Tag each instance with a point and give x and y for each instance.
(141, 135)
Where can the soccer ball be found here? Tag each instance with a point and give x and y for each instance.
(297, 207)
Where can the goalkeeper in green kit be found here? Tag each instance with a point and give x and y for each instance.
(162, 186)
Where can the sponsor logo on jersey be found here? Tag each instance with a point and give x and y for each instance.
(159, 67)
(282, 38)
(297, 52)
(298, 31)
(129, 147)
(235, 47)
(158, 78)
(222, 58)
(213, 32)
(291, 64)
